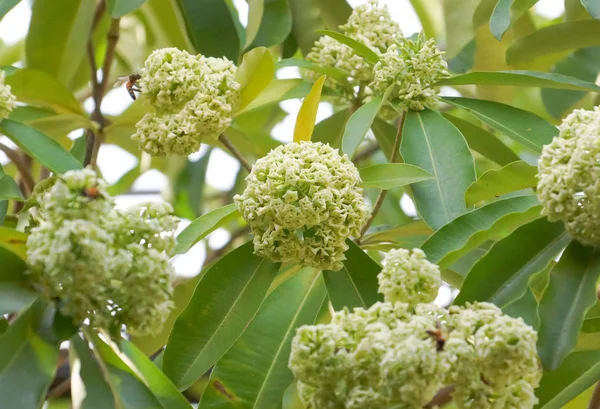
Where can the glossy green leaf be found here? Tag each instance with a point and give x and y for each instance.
(211, 28)
(502, 279)
(276, 91)
(331, 129)
(254, 372)
(46, 150)
(526, 308)
(256, 9)
(571, 292)
(497, 182)
(385, 134)
(14, 296)
(335, 13)
(78, 148)
(501, 16)
(484, 142)
(555, 38)
(592, 7)
(307, 115)
(361, 49)
(166, 24)
(6, 6)
(224, 302)
(359, 124)
(391, 175)
(306, 20)
(432, 143)
(522, 79)
(203, 226)
(331, 72)
(409, 235)
(524, 127)
(58, 35)
(275, 24)
(28, 361)
(9, 190)
(118, 8)
(254, 74)
(459, 16)
(355, 285)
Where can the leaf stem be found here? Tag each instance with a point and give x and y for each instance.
(595, 400)
(383, 193)
(233, 150)
(22, 167)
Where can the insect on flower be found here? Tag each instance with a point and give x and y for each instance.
(91, 192)
(438, 337)
(130, 83)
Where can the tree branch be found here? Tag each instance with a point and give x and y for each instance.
(233, 150)
(595, 400)
(60, 389)
(383, 193)
(22, 167)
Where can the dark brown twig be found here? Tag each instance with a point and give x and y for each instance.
(365, 153)
(233, 150)
(22, 167)
(60, 389)
(443, 397)
(595, 400)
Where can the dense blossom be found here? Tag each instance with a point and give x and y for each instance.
(398, 354)
(99, 263)
(302, 201)
(411, 67)
(569, 176)
(194, 98)
(7, 99)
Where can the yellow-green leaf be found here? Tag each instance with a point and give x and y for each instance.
(254, 74)
(305, 123)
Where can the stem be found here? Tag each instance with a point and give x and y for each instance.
(60, 389)
(365, 153)
(383, 193)
(232, 149)
(22, 167)
(595, 401)
(443, 397)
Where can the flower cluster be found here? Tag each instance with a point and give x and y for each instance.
(569, 176)
(302, 201)
(412, 68)
(400, 354)
(194, 97)
(7, 99)
(100, 263)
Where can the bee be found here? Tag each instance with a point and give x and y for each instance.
(130, 83)
(438, 337)
(91, 192)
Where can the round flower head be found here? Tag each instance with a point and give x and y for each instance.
(175, 134)
(373, 26)
(302, 201)
(408, 277)
(412, 68)
(7, 99)
(569, 176)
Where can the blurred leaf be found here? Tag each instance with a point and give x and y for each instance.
(78, 148)
(306, 20)
(14, 241)
(493, 221)
(331, 72)
(355, 285)
(203, 226)
(430, 15)
(57, 37)
(257, 127)
(359, 124)
(254, 372)
(6, 6)
(360, 49)
(305, 122)
(501, 280)
(27, 363)
(40, 88)
(497, 182)
(526, 308)
(390, 175)
(254, 74)
(458, 15)
(501, 16)
(578, 372)
(409, 235)
(385, 134)
(571, 292)
(256, 9)
(331, 129)
(592, 7)
(211, 28)
(435, 145)
(335, 13)
(118, 8)
(46, 150)
(276, 91)
(189, 187)
(163, 18)
(15, 296)
(522, 79)
(275, 25)
(484, 142)
(224, 302)
(464, 60)
(555, 38)
(524, 127)
(9, 190)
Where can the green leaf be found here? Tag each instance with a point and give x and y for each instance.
(385, 134)
(431, 17)
(13, 241)
(355, 285)
(335, 13)
(254, 74)
(224, 302)
(15, 296)
(501, 280)
(306, 20)
(305, 122)
(331, 72)
(188, 187)
(6, 6)
(361, 49)
(40, 88)
(78, 148)
(256, 9)
(526, 308)
(501, 16)
(9, 190)
(58, 35)
(571, 292)
(28, 361)
(432, 143)
(497, 182)
(166, 24)
(554, 38)
(254, 372)
(276, 91)
(118, 8)
(391, 175)
(592, 7)
(522, 79)
(409, 235)
(331, 129)
(524, 127)
(458, 14)
(578, 372)
(46, 150)
(211, 28)
(275, 24)
(484, 142)
(358, 125)
(203, 226)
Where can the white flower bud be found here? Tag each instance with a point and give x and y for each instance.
(8, 102)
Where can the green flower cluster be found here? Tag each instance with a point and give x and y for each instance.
(194, 97)
(100, 263)
(302, 201)
(569, 176)
(7, 99)
(400, 354)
